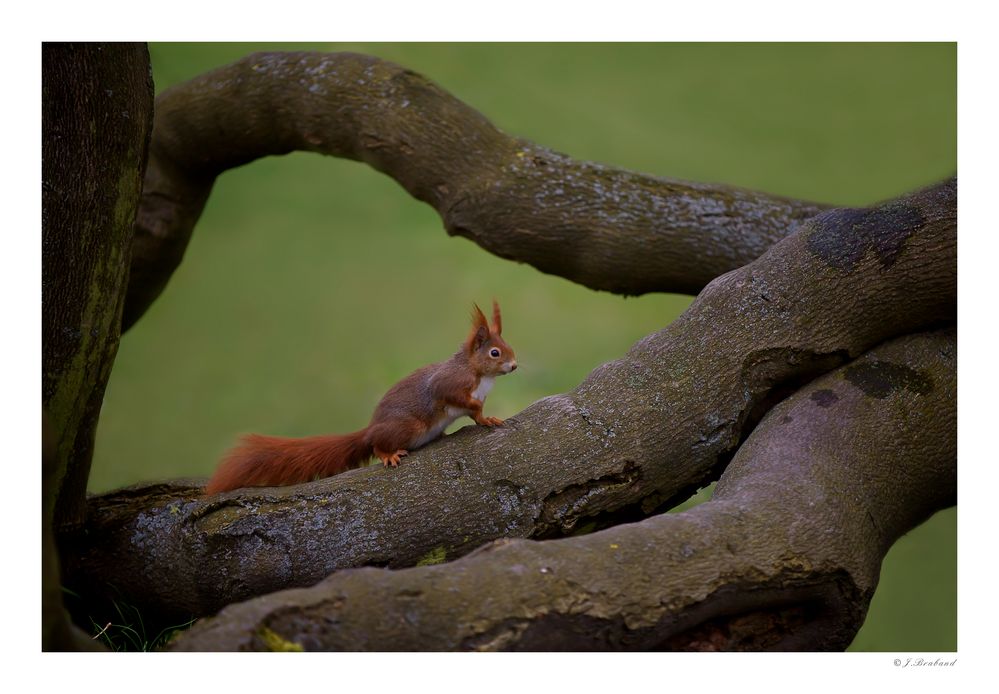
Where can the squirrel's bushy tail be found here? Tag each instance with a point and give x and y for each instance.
(270, 461)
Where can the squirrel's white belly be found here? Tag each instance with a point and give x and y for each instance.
(442, 423)
(453, 413)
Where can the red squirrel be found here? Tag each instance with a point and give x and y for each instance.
(414, 412)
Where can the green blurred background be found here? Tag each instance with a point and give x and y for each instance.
(312, 284)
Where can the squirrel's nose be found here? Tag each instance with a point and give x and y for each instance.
(513, 366)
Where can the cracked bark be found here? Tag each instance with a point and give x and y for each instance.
(785, 556)
(602, 227)
(844, 282)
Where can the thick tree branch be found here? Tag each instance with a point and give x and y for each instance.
(637, 435)
(785, 556)
(603, 227)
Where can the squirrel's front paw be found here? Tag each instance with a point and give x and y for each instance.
(491, 421)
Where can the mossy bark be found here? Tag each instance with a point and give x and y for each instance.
(603, 227)
(96, 119)
(97, 104)
(785, 556)
(637, 435)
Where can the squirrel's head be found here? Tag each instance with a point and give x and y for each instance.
(486, 348)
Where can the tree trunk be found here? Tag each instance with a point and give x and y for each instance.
(96, 119)
(97, 102)
(58, 632)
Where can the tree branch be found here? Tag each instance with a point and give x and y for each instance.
(636, 436)
(785, 556)
(603, 227)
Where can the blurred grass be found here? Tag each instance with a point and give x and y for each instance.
(313, 284)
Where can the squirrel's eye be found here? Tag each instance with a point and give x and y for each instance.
(494, 353)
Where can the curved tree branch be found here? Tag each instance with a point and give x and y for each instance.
(637, 435)
(785, 556)
(603, 227)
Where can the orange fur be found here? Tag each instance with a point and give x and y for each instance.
(414, 412)
(270, 461)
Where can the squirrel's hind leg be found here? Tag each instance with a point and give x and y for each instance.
(392, 441)
(391, 458)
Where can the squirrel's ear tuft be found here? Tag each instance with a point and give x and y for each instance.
(497, 320)
(480, 330)
(478, 317)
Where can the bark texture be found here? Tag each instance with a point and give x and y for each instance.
(97, 102)
(603, 227)
(58, 632)
(785, 556)
(636, 436)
